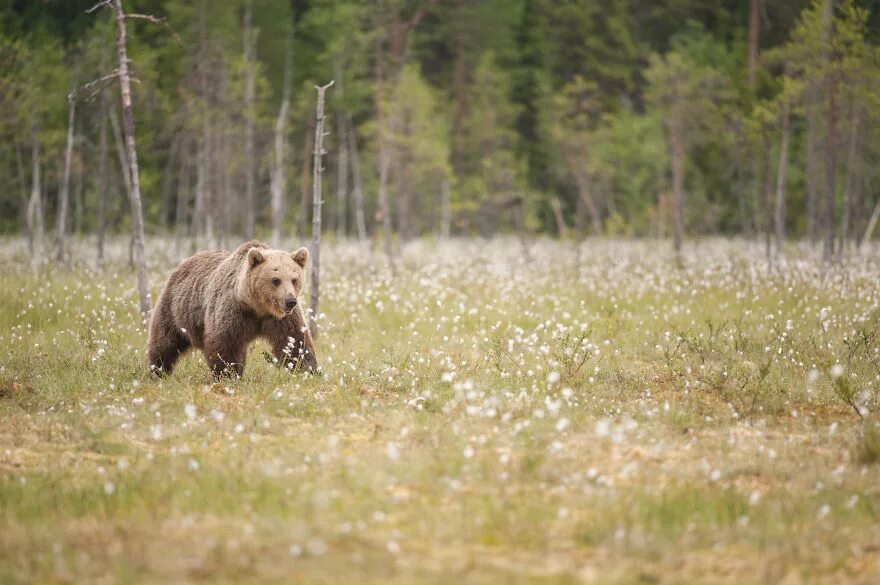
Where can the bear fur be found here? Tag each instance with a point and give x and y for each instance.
(220, 302)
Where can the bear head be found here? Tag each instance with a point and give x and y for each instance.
(274, 280)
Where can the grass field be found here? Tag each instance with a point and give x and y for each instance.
(586, 415)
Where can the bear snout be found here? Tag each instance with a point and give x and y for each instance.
(290, 303)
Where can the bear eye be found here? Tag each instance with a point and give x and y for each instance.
(293, 282)
(276, 281)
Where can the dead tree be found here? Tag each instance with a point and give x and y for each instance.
(561, 226)
(846, 210)
(34, 217)
(342, 179)
(445, 210)
(782, 181)
(872, 223)
(357, 179)
(830, 139)
(250, 43)
(278, 178)
(64, 192)
(317, 171)
(676, 134)
(102, 179)
(131, 151)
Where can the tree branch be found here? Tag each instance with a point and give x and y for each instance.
(157, 20)
(101, 80)
(98, 5)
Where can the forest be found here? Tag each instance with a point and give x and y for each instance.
(447, 117)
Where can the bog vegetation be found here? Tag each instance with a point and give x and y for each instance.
(522, 380)
(585, 415)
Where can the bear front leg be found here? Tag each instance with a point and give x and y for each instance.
(226, 359)
(167, 343)
(291, 342)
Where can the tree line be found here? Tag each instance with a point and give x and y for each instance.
(447, 117)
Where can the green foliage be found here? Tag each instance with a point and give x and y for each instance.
(529, 99)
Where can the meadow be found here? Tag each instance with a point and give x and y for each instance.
(578, 413)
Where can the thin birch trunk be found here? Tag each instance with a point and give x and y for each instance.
(102, 181)
(676, 132)
(812, 175)
(358, 191)
(124, 172)
(168, 181)
(23, 188)
(341, 177)
(561, 226)
(846, 211)
(250, 40)
(766, 195)
(78, 201)
(782, 181)
(302, 220)
(830, 141)
(278, 179)
(35, 223)
(64, 192)
(585, 193)
(182, 200)
(872, 223)
(445, 210)
(317, 172)
(128, 123)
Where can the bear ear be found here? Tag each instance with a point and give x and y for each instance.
(255, 257)
(301, 257)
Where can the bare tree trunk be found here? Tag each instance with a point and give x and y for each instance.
(341, 176)
(317, 172)
(561, 226)
(278, 183)
(459, 95)
(830, 174)
(830, 144)
(64, 192)
(302, 220)
(676, 134)
(168, 181)
(384, 156)
(128, 122)
(183, 190)
(199, 218)
(519, 219)
(766, 195)
(812, 175)
(782, 181)
(872, 223)
(34, 216)
(279, 180)
(445, 210)
(78, 201)
(23, 188)
(124, 171)
(846, 211)
(360, 214)
(250, 41)
(754, 31)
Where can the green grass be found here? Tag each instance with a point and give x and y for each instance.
(591, 417)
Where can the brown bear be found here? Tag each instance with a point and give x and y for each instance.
(220, 302)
